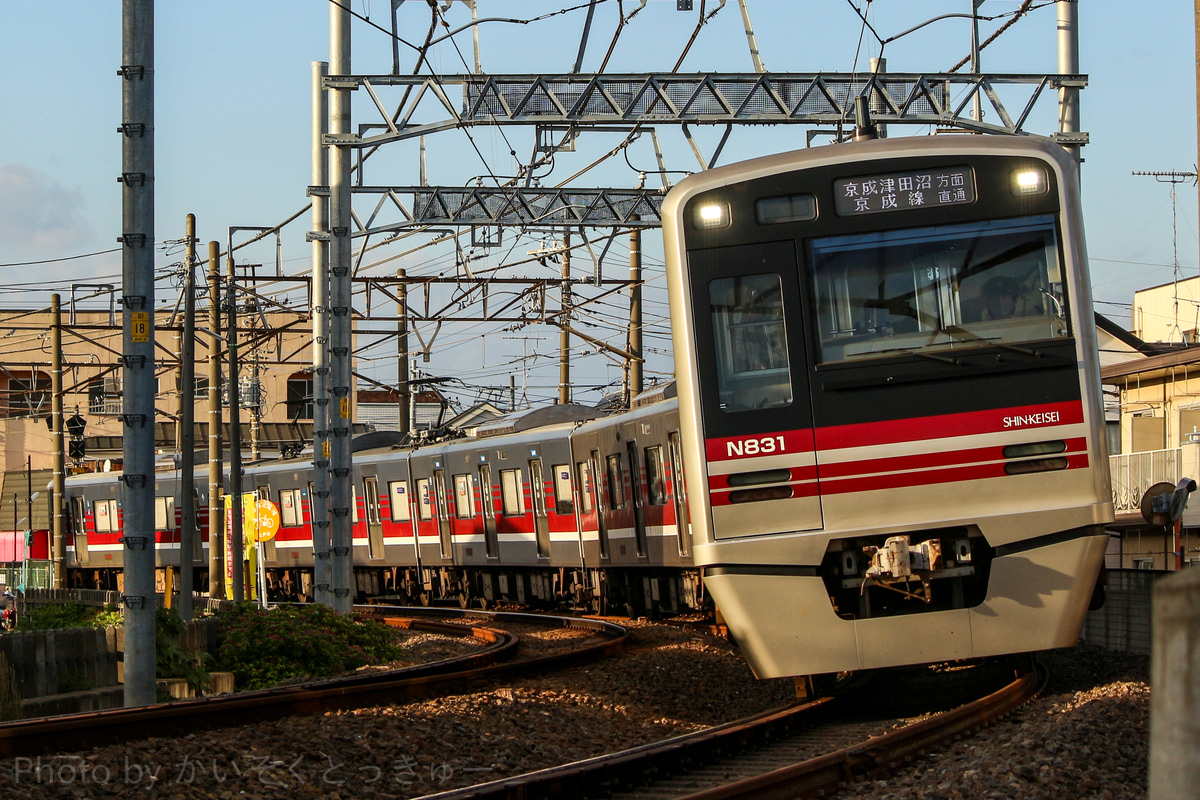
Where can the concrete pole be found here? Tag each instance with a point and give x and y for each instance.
(187, 427)
(319, 502)
(404, 406)
(57, 442)
(235, 432)
(137, 269)
(340, 163)
(216, 513)
(1068, 64)
(1175, 676)
(635, 313)
(564, 337)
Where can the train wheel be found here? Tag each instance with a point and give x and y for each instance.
(464, 600)
(426, 599)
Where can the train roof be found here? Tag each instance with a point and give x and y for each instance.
(537, 418)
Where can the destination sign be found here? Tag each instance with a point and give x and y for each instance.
(903, 191)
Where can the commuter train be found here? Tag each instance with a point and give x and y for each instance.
(562, 505)
(889, 400)
(887, 434)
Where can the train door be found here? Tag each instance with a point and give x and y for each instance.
(541, 522)
(490, 543)
(601, 521)
(443, 513)
(374, 521)
(79, 528)
(682, 529)
(639, 498)
(753, 371)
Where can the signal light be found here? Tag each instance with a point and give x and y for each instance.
(77, 448)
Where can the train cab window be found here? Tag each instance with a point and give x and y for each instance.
(398, 493)
(464, 497)
(424, 499)
(563, 504)
(750, 342)
(656, 485)
(938, 288)
(290, 514)
(164, 513)
(587, 499)
(616, 481)
(371, 496)
(511, 495)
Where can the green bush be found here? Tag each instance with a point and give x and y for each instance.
(266, 648)
(171, 659)
(54, 617)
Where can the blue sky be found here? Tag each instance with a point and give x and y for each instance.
(233, 131)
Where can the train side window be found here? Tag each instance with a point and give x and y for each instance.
(511, 496)
(424, 500)
(105, 514)
(587, 499)
(616, 481)
(398, 492)
(562, 489)
(371, 496)
(164, 513)
(464, 497)
(750, 342)
(655, 476)
(289, 508)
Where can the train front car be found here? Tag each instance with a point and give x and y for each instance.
(889, 385)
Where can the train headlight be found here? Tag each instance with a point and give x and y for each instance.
(1029, 181)
(712, 215)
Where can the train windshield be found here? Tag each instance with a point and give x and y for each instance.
(938, 288)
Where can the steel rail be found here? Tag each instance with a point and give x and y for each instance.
(615, 772)
(80, 731)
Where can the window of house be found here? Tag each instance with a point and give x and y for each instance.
(1143, 563)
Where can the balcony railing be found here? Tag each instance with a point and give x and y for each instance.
(1134, 473)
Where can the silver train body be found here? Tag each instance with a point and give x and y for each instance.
(889, 398)
(563, 505)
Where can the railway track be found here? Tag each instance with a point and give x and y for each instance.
(498, 656)
(800, 751)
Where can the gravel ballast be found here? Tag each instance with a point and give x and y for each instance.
(1086, 737)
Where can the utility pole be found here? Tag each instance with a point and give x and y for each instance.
(216, 515)
(564, 336)
(404, 406)
(635, 314)
(137, 346)
(340, 218)
(235, 432)
(57, 444)
(1068, 64)
(187, 427)
(319, 502)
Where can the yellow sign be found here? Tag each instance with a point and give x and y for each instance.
(325, 448)
(267, 523)
(345, 407)
(139, 326)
